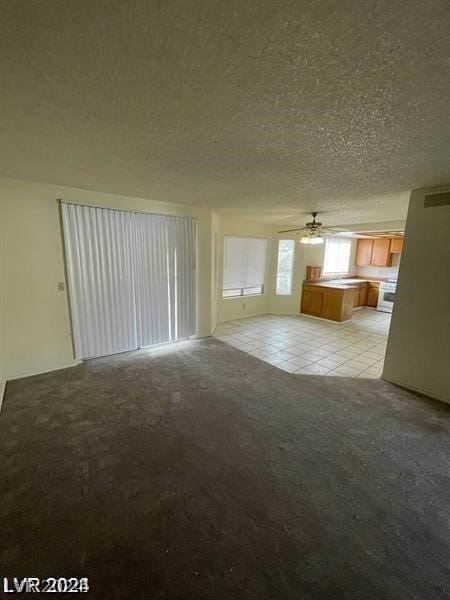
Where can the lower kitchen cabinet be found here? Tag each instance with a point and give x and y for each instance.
(312, 301)
(372, 294)
(362, 295)
(336, 302)
(333, 303)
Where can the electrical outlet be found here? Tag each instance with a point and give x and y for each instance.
(61, 286)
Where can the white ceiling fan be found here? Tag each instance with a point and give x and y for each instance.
(312, 232)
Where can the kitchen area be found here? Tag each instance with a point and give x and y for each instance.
(344, 302)
(371, 283)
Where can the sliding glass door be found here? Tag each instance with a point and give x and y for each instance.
(164, 276)
(130, 276)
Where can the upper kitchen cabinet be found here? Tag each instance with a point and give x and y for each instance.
(381, 253)
(364, 253)
(377, 252)
(396, 245)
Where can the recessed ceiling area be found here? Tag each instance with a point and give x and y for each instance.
(393, 234)
(272, 109)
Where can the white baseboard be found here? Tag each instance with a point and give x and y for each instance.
(283, 314)
(322, 319)
(72, 364)
(416, 389)
(257, 314)
(2, 391)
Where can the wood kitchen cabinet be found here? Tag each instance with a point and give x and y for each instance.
(396, 245)
(336, 300)
(381, 256)
(372, 294)
(364, 252)
(362, 295)
(313, 272)
(312, 300)
(374, 252)
(328, 302)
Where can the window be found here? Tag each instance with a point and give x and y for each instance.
(337, 255)
(244, 265)
(286, 249)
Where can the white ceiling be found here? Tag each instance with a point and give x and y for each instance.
(272, 108)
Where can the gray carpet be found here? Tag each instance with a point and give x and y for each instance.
(201, 472)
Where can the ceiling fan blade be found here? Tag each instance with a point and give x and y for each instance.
(335, 229)
(289, 230)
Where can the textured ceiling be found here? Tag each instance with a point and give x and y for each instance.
(269, 107)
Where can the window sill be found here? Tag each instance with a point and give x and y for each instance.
(242, 297)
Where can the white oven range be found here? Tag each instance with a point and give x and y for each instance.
(386, 295)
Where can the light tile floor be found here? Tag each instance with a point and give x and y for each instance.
(300, 344)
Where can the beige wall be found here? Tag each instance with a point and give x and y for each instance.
(34, 316)
(269, 302)
(418, 352)
(2, 297)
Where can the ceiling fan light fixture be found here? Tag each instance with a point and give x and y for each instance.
(317, 239)
(312, 238)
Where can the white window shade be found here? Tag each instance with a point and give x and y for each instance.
(244, 264)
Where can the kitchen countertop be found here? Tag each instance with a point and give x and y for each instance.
(331, 284)
(359, 280)
(341, 284)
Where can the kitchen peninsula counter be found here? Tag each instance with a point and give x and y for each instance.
(335, 299)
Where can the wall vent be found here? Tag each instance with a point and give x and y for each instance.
(440, 199)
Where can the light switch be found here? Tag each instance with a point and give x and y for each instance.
(61, 286)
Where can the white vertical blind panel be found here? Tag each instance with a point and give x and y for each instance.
(165, 275)
(99, 258)
(182, 231)
(152, 300)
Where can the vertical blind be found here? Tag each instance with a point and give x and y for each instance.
(131, 278)
(244, 263)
